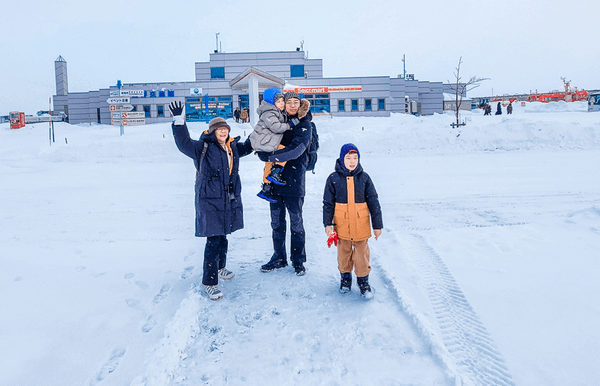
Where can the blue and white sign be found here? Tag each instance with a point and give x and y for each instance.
(196, 91)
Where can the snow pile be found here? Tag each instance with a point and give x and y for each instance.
(485, 273)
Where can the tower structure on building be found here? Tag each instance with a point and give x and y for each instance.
(60, 73)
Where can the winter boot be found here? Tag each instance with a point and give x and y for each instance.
(213, 292)
(275, 175)
(266, 193)
(274, 264)
(346, 283)
(226, 274)
(365, 288)
(299, 269)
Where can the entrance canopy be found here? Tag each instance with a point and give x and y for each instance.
(255, 80)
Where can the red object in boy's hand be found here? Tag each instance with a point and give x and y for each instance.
(333, 239)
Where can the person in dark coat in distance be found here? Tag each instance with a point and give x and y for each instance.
(290, 197)
(499, 109)
(218, 188)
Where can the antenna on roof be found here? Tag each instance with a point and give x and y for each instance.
(217, 37)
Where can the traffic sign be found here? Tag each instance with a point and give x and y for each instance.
(120, 107)
(131, 93)
(133, 114)
(133, 121)
(118, 101)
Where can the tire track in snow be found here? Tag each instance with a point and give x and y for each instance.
(475, 355)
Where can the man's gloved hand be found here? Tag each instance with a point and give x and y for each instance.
(177, 111)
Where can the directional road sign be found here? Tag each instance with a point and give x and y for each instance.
(132, 114)
(118, 101)
(133, 121)
(120, 107)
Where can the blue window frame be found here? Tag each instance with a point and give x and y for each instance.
(341, 105)
(297, 70)
(381, 104)
(368, 106)
(147, 111)
(160, 111)
(354, 104)
(244, 101)
(206, 108)
(217, 72)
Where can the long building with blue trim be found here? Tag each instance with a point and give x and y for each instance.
(236, 80)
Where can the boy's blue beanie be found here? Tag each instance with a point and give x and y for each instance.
(269, 95)
(345, 149)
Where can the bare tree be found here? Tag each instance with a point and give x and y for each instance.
(461, 89)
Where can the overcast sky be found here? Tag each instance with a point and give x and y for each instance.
(519, 45)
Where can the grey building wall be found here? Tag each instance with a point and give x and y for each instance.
(86, 107)
(276, 63)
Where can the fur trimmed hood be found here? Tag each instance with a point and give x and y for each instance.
(304, 108)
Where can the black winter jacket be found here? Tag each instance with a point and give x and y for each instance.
(218, 199)
(296, 141)
(364, 192)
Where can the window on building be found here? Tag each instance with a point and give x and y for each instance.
(368, 105)
(244, 101)
(319, 103)
(297, 70)
(341, 105)
(147, 111)
(170, 93)
(207, 108)
(381, 104)
(217, 72)
(354, 104)
(160, 111)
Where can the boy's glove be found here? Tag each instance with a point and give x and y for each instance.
(177, 111)
(333, 239)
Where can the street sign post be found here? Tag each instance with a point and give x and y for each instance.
(120, 108)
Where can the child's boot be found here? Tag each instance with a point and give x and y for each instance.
(266, 193)
(346, 283)
(275, 175)
(365, 288)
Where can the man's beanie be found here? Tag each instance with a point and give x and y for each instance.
(291, 94)
(215, 123)
(270, 95)
(346, 149)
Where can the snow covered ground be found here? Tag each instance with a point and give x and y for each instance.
(486, 272)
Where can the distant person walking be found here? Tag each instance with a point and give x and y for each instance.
(499, 109)
(509, 108)
(236, 115)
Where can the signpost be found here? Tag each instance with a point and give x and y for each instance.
(121, 109)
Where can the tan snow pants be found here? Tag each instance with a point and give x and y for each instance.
(354, 254)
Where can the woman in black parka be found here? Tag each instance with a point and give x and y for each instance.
(218, 190)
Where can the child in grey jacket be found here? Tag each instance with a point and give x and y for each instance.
(266, 137)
